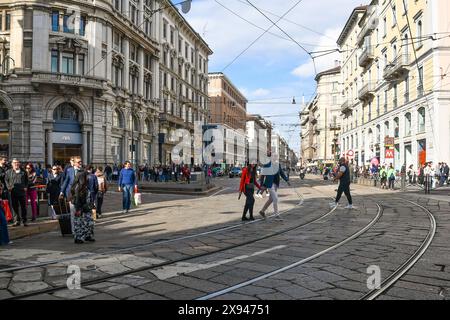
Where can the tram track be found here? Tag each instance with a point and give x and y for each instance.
(150, 244)
(171, 262)
(390, 281)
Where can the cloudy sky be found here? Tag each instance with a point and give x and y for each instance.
(275, 68)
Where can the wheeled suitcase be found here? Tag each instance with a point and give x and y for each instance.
(61, 207)
(65, 224)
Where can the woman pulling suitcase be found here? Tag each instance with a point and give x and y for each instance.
(82, 201)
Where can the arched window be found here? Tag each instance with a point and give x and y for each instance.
(387, 133)
(135, 123)
(356, 141)
(396, 128)
(378, 137)
(147, 127)
(408, 124)
(351, 144)
(66, 112)
(370, 137)
(4, 114)
(117, 119)
(421, 120)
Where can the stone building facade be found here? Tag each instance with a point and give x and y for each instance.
(84, 78)
(394, 73)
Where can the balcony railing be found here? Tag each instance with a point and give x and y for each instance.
(395, 69)
(366, 57)
(171, 118)
(69, 80)
(367, 91)
(335, 127)
(346, 107)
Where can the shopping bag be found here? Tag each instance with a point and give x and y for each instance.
(137, 199)
(94, 214)
(7, 210)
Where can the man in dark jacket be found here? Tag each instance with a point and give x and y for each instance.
(344, 184)
(69, 177)
(17, 182)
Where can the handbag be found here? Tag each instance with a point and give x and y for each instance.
(7, 210)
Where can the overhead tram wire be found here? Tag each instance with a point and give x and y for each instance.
(287, 34)
(259, 27)
(260, 36)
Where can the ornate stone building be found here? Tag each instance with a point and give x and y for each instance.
(86, 78)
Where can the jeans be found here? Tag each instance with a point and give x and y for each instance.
(272, 199)
(344, 188)
(4, 237)
(249, 201)
(391, 183)
(99, 202)
(32, 196)
(127, 193)
(19, 199)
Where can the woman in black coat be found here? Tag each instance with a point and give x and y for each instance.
(54, 185)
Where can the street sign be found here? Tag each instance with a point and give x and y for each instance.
(389, 142)
(390, 153)
(350, 154)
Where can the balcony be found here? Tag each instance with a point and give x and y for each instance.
(366, 57)
(71, 80)
(166, 117)
(335, 127)
(396, 69)
(367, 91)
(346, 107)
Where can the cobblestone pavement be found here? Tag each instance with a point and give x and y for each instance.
(213, 259)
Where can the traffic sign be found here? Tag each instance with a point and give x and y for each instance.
(390, 153)
(350, 154)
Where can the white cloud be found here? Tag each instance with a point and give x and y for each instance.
(260, 93)
(306, 70)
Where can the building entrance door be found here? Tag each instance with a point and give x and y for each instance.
(63, 152)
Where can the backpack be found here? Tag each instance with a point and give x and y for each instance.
(384, 174)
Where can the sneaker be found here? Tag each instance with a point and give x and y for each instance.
(124, 211)
(17, 224)
(244, 219)
(127, 211)
(278, 217)
(349, 206)
(262, 214)
(25, 224)
(333, 204)
(252, 219)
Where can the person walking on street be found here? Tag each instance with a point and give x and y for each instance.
(5, 195)
(31, 190)
(391, 177)
(247, 186)
(271, 182)
(108, 173)
(17, 184)
(383, 177)
(82, 202)
(69, 180)
(4, 236)
(53, 188)
(92, 183)
(343, 176)
(102, 188)
(127, 182)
